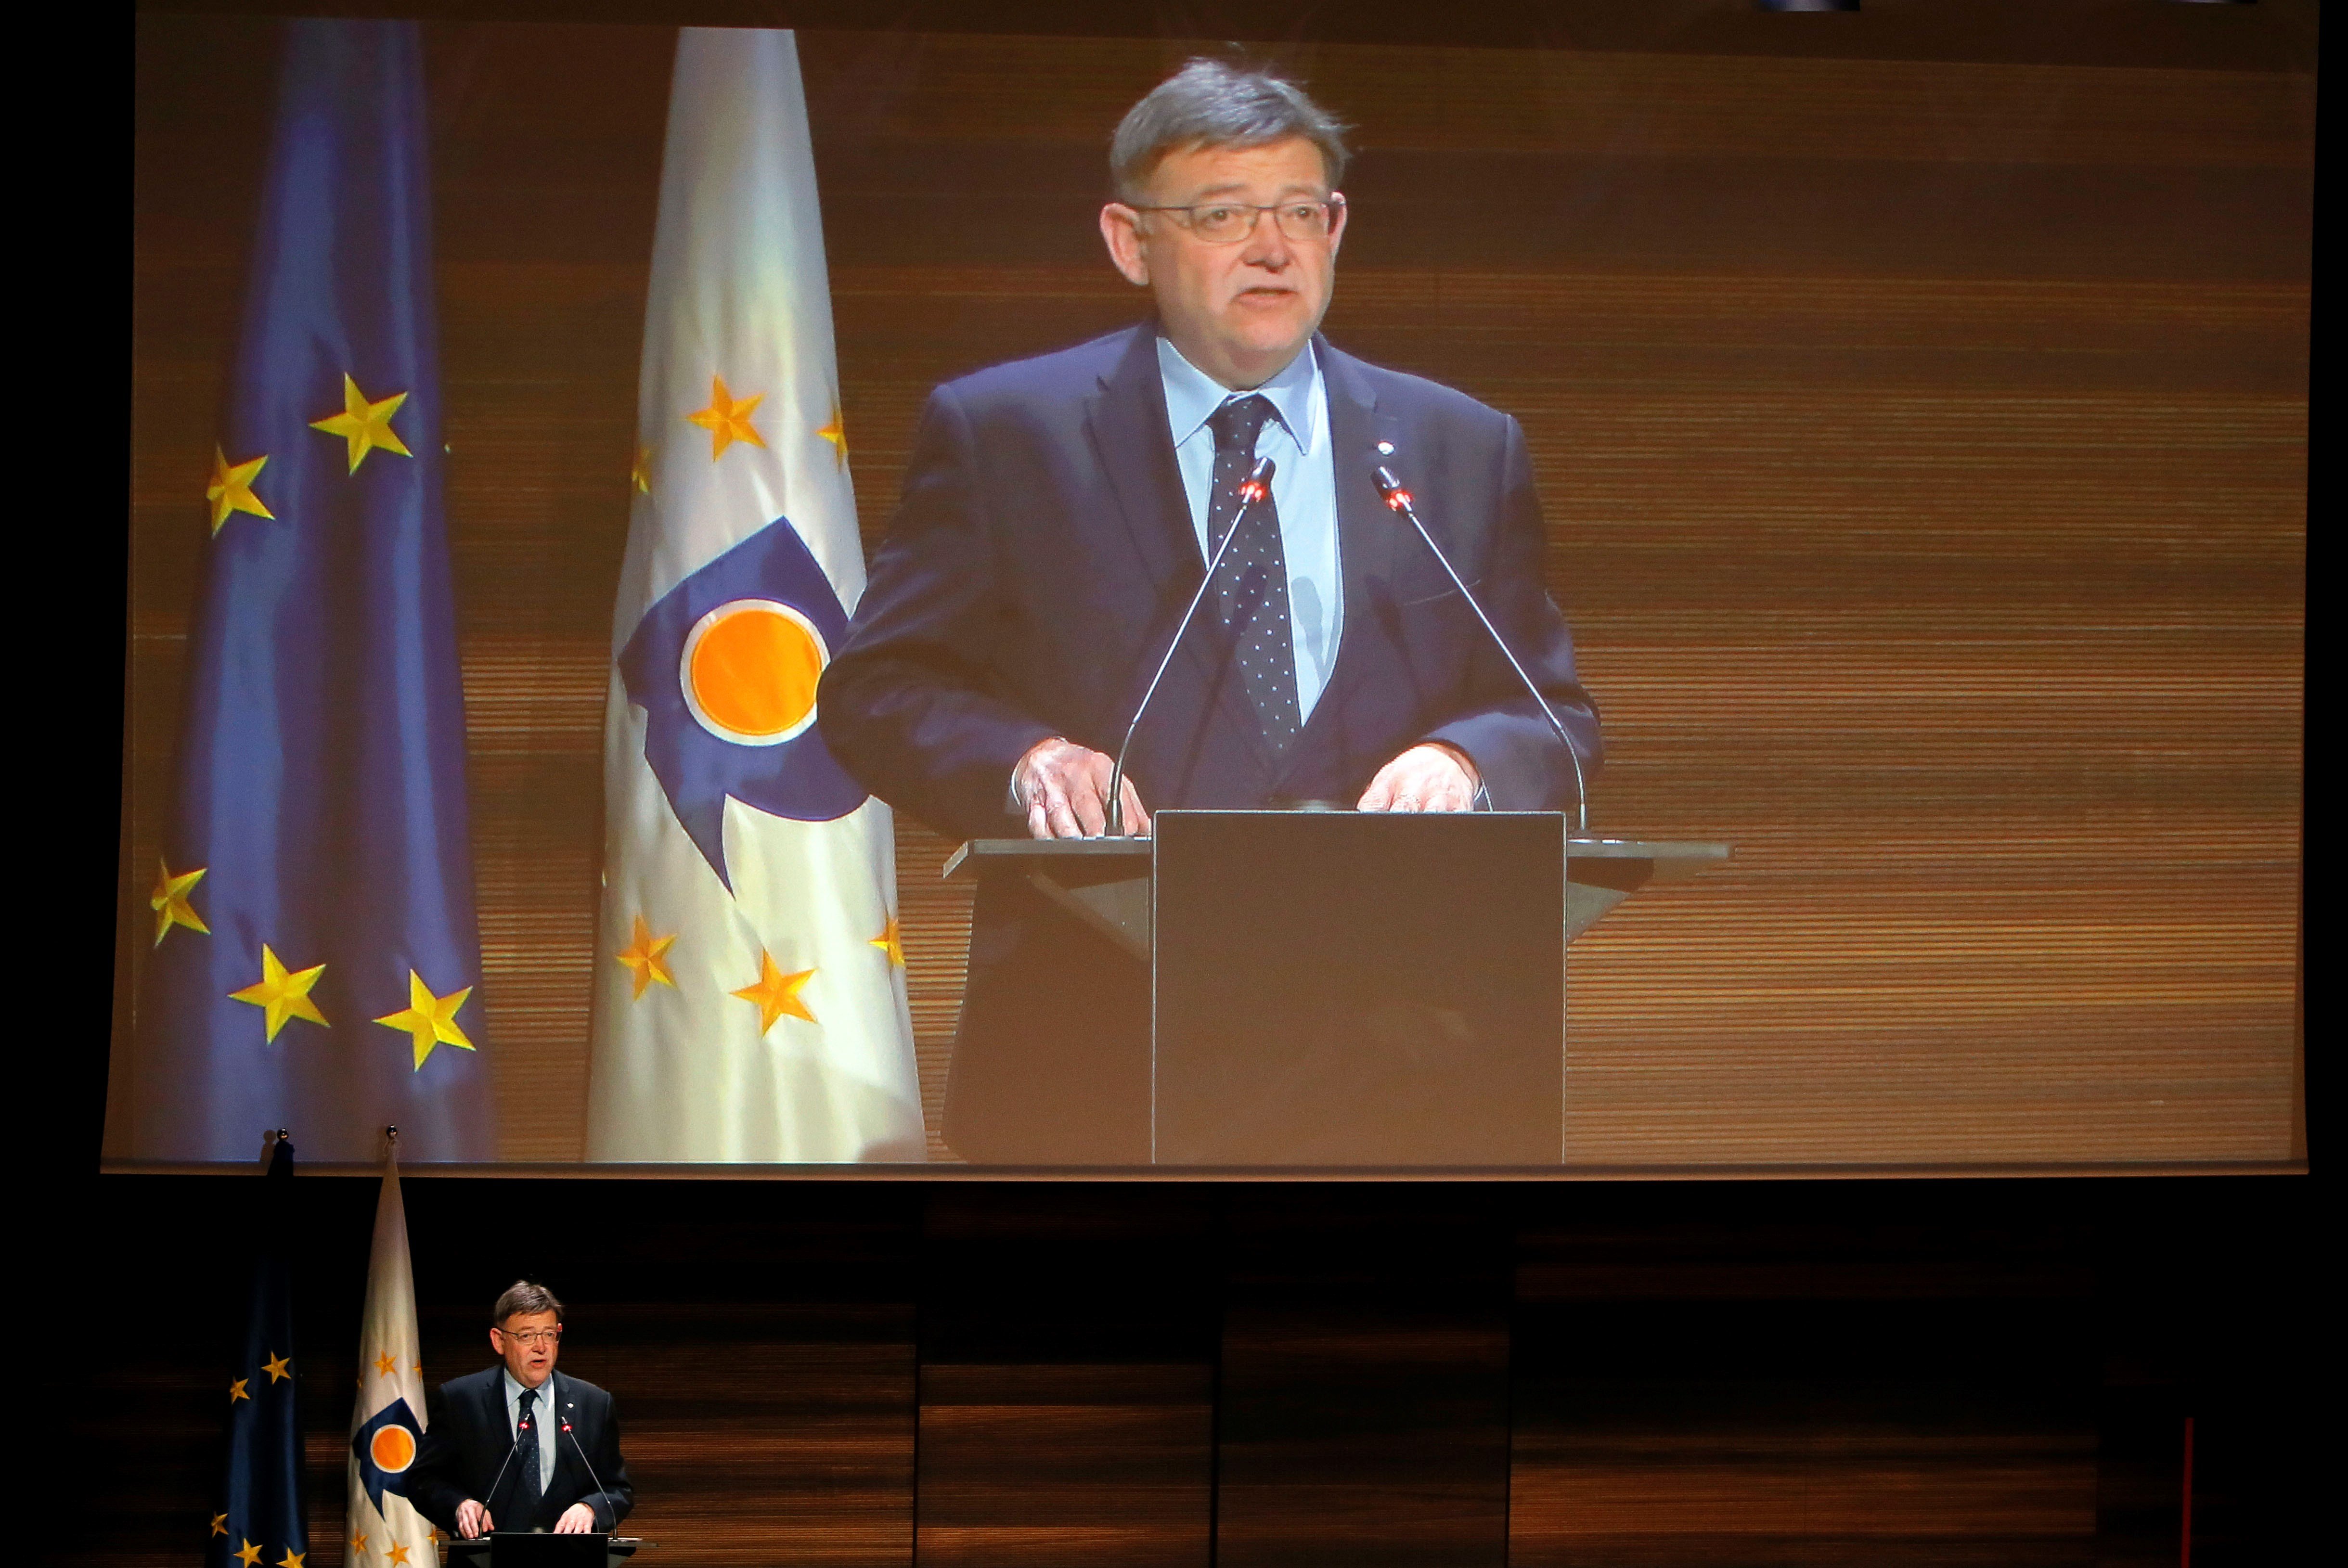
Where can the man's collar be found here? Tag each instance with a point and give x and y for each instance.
(513, 1388)
(1192, 395)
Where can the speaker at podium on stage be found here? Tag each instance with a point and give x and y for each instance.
(1209, 565)
(520, 1456)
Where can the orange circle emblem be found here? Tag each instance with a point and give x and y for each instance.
(392, 1449)
(749, 671)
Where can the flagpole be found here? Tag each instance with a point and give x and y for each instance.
(388, 1417)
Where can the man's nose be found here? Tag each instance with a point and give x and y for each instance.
(1267, 247)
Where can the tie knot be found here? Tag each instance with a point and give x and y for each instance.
(1238, 423)
(528, 1398)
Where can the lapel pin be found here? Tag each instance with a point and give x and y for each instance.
(1385, 449)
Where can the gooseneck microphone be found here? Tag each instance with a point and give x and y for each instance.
(1253, 490)
(1398, 498)
(598, 1480)
(490, 1496)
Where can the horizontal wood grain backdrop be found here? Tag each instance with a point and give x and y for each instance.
(1925, 448)
(1716, 1375)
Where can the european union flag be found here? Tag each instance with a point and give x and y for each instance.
(724, 667)
(259, 1522)
(316, 960)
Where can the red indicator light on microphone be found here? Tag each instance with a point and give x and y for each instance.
(1258, 484)
(1390, 488)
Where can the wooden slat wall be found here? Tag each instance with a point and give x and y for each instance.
(1364, 1409)
(1081, 1463)
(1923, 442)
(1606, 1374)
(805, 1445)
(1823, 1397)
(1067, 1382)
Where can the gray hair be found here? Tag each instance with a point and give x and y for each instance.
(1212, 103)
(521, 1297)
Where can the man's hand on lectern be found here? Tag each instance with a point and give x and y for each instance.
(473, 1521)
(1431, 776)
(1063, 789)
(577, 1519)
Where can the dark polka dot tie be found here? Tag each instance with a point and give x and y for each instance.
(1252, 587)
(527, 1492)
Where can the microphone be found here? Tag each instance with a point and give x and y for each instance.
(598, 1480)
(1390, 489)
(514, 1448)
(1253, 490)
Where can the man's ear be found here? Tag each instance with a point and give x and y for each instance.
(1121, 232)
(1337, 229)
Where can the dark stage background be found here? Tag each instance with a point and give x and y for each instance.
(1919, 399)
(1601, 1374)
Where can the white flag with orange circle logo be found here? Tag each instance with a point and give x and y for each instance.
(749, 990)
(383, 1530)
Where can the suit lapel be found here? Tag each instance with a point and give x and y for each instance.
(499, 1419)
(1127, 421)
(1367, 533)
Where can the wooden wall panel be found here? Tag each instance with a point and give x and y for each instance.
(757, 1431)
(1066, 1463)
(1821, 1396)
(1702, 1375)
(762, 1357)
(1923, 443)
(1608, 103)
(1363, 1412)
(1067, 1382)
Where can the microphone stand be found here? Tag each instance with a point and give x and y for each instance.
(500, 1479)
(1253, 490)
(1398, 498)
(581, 1450)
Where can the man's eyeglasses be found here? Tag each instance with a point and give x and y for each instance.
(535, 1338)
(1229, 222)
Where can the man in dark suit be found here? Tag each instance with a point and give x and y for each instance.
(519, 1447)
(1057, 516)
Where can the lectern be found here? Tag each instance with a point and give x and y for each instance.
(541, 1548)
(1347, 989)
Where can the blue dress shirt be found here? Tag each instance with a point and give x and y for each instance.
(1303, 487)
(543, 1415)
